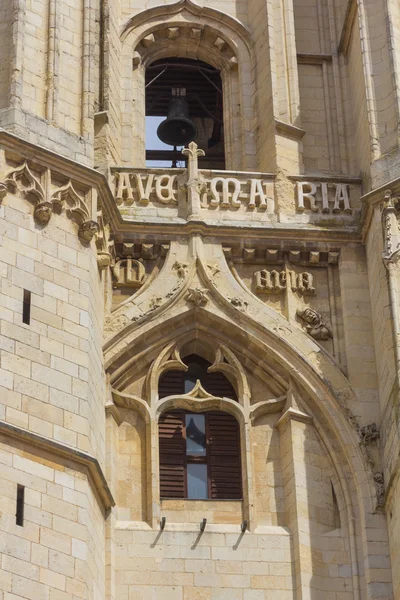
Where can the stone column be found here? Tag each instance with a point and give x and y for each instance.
(293, 426)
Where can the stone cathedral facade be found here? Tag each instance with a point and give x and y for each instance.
(200, 363)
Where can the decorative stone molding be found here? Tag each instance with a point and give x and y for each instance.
(45, 197)
(280, 256)
(314, 324)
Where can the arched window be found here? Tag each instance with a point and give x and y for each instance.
(200, 85)
(199, 452)
(199, 456)
(182, 382)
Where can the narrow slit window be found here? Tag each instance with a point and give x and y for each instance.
(26, 308)
(20, 505)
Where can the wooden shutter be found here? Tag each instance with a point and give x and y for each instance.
(171, 383)
(218, 385)
(172, 445)
(225, 478)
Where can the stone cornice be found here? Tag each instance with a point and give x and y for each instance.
(129, 230)
(58, 450)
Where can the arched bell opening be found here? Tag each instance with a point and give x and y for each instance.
(184, 103)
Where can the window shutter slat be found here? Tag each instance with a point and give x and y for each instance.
(172, 447)
(224, 456)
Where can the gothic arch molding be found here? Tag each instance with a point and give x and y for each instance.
(322, 396)
(317, 397)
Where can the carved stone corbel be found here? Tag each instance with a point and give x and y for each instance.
(42, 212)
(87, 230)
(314, 324)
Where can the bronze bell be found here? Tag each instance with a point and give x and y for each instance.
(177, 129)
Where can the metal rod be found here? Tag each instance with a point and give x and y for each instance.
(210, 81)
(162, 523)
(156, 77)
(182, 66)
(204, 107)
(203, 525)
(243, 526)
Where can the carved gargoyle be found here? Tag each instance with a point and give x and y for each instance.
(314, 324)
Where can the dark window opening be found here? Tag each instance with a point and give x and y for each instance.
(182, 382)
(200, 456)
(19, 516)
(201, 85)
(26, 307)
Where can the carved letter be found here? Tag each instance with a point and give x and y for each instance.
(226, 202)
(164, 189)
(124, 189)
(306, 189)
(129, 273)
(306, 283)
(144, 193)
(257, 194)
(325, 198)
(341, 196)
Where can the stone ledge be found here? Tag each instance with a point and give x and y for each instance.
(96, 474)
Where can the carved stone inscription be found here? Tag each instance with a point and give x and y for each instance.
(277, 282)
(229, 192)
(143, 186)
(323, 197)
(128, 272)
(224, 191)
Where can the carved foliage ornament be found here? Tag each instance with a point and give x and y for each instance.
(22, 179)
(390, 226)
(368, 435)
(197, 296)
